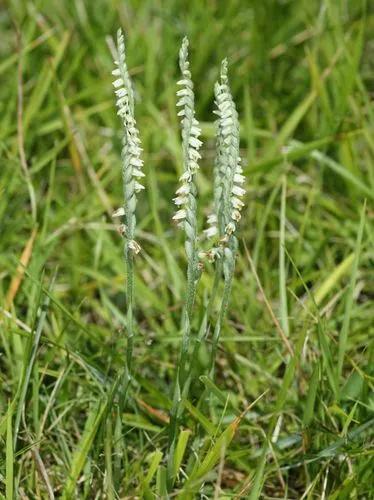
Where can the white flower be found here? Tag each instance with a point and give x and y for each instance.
(237, 203)
(212, 219)
(211, 231)
(138, 186)
(184, 189)
(214, 254)
(117, 83)
(134, 246)
(122, 229)
(194, 155)
(119, 212)
(136, 162)
(121, 93)
(184, 82)
(230, 228)
(182, 101)
(238, 191)
(180, 200)
(196, 131)
(181, 214)
(236, 215)
(183, 92)
(138, 173)
(194, 142)
(193, 166)
(187, 176)
(239, 179)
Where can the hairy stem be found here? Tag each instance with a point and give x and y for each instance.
(221, 317)
(129, 258)
(181, 382)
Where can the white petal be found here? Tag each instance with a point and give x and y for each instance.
(239, 178)
(138, 173)
(121, 92)
(182, 102)
(212, 219)
(195, 143)
(134, 246)
(121, 101)
(235, 215)
(196, 131)
(136, 162)
(122, 229)
(237, 203)
(181, 214)
(194, 166)
(194, 155)
(227, 122)
(180, 200)
(186, 177)
(238, 191)
(213, 254)
(211, 231)
(138, 186)
(230, 228)
(186, 82)
(184, 92)
(119, 212)
(227, 131)
(117, 83)
(184, 189)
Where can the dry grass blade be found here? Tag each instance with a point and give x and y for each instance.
(20, 271)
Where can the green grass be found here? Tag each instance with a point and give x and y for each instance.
(300, 73)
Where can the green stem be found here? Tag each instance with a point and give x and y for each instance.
(181, 378)
(229, 268)
(203, 332)
(129, 258)
(217, 330)
(186, 336)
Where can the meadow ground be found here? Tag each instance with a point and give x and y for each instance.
(301, 74)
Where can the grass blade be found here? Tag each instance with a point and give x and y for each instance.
(9, 477)
(311, 397)
(282, 264)
(29, 360)
(80, 456)
(343, 337)
(333, 279)
(180, 449)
